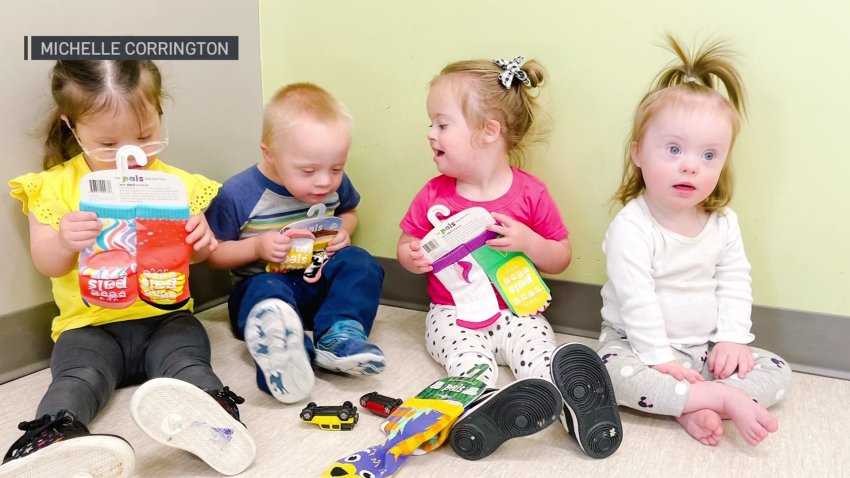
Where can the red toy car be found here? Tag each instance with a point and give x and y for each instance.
(379, 404)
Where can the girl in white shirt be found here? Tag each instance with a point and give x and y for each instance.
(676, 307)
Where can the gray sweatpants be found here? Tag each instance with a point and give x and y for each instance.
(89, 363)
(641, 387)
(523, 343)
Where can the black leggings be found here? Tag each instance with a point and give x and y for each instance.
(89, 363)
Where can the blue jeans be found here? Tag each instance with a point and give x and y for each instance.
(349, 289)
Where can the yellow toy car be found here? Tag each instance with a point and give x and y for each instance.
(331, 417)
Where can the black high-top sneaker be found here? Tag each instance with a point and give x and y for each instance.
(228, 400)
(590, 408)
(520, 409)
(62, 446)
(181, 415)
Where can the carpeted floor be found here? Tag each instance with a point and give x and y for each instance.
(810, 441)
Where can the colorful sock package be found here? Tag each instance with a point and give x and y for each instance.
(141, 252)
(419, 425)
(162, 256)
(310, 238)
(457, 248)
(107, 269)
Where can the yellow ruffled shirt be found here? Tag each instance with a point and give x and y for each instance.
(50, 194)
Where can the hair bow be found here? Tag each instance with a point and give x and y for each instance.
(512, 71)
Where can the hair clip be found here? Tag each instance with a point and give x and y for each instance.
(512, 71)
(692, 79)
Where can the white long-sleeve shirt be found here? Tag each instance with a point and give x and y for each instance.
(665, 289)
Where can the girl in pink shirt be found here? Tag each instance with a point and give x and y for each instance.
(482, 116)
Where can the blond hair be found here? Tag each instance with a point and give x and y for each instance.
(483, 97)
(297, 100)
(694, 76)
(84, 88)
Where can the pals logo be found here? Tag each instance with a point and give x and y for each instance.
(133, 179)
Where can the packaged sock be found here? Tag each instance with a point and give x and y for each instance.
(466, 265)
(516, 279)
(419, 425)
(449, 246)
(143, 214)
(107, 269)
(310, 238)
(162, 256)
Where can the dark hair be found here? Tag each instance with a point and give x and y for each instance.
(82, 89)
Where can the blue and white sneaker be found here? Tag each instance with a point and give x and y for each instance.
(343, 348)
(275, 339)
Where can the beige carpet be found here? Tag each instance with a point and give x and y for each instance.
(810, 441)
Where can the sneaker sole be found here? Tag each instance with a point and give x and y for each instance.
(97, 456)
(275, 340)
(520, 409)
(181, 415)
(590, 408)
(358, 364)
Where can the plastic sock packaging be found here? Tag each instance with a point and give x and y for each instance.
(516, 279)
(107, 269)
(162, 256)
(310, 238)
(141, 251)
(419, 425)
(461, 259)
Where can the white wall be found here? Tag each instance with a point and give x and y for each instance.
(214, 117)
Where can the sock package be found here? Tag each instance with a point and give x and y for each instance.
(467, 266)
(141, 251)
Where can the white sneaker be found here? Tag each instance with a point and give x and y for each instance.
(181, 415)
(275, 339)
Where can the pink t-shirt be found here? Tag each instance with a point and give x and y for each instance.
(528, 201)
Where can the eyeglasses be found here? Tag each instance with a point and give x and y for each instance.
(151, 148)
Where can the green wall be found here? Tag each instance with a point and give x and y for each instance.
(791, 163)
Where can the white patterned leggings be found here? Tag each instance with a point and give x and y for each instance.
(643, 388)
(523, 343)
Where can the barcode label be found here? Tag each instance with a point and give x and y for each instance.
(430, 245)
(100, 186)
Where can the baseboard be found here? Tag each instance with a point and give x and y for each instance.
(811, 342)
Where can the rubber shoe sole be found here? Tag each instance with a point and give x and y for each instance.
(520, 409)
(590, 408)
(357, 364)
(100, 456)
(275, 339)
(181, 415)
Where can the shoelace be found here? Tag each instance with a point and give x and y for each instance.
(62, 418)
(228, 394)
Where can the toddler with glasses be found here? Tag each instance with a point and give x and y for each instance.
(99, 107)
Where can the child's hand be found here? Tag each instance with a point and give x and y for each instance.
(272, 246)
(677, 371)
(417, 257)
(79, 229)
(516, 236)
(200, 235)
(725, 357)
(341, 240)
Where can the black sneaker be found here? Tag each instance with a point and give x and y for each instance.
(590, 409)
(522, 408)
(62, 446)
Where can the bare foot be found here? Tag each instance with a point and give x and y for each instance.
(704, 425)
(753, 421)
